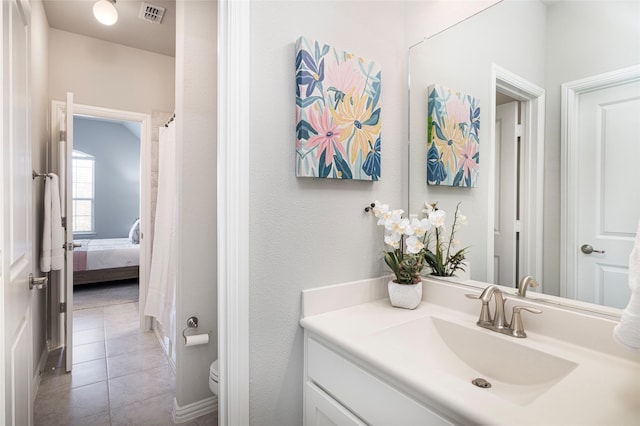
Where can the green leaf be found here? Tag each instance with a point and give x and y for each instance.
(323, 170)
(391, 260)
(304, 103)
(303, 129)
(373, 120)
(342, 166)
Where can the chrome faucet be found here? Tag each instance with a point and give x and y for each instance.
(525, 283)
(498, 322)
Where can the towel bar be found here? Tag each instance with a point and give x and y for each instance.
(35, 174)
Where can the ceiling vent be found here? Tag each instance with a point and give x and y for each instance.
(151, 13)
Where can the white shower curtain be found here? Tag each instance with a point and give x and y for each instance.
(162, 277)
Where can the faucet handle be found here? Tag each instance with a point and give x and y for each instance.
(485, 316)
(516, 326)
(517, 309)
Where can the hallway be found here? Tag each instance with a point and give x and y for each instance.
(120, 375)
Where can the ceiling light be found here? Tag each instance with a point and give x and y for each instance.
(105, 12)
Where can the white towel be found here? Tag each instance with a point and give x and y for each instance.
(627, 331)
(52, 254)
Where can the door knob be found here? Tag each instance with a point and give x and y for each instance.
(38, 283)
(587, 249)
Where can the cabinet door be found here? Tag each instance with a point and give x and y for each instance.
(374, 400)
(322, 410)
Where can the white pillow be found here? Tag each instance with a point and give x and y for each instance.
(134, 233)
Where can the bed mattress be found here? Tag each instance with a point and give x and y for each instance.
(104, 254)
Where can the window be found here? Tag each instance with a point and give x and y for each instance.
(83, 167)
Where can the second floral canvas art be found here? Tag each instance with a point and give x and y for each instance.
(337, 113)
(453, 142)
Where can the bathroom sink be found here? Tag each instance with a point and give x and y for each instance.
(515, 371)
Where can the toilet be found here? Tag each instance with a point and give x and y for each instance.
(213, 377)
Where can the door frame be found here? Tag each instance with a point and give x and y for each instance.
(532, 100)
(233, 210)
(58, 113)
(508, 228)
(569, 146)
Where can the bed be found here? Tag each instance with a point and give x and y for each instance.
(101, 260)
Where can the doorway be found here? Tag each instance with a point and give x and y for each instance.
(509, 142)
(105, 217)
(522, 253)
(83, 198)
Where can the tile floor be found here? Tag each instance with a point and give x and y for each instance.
(120, 375)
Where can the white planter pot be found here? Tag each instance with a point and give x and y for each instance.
(406, 296)
(453, 279)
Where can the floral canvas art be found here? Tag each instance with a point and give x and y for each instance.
(337, 113)
(453, 141)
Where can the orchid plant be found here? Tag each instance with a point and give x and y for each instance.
(405, 237)
(414, 241)
(440, 253)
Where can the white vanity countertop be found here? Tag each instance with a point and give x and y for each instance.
(603, 389)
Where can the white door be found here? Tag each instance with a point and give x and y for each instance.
(506, 182)
(15, 246)
(61, 292)
(608, 197)
(66, 197)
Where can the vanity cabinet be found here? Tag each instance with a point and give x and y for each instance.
(340, 392)
(322, 410)
(366, 362)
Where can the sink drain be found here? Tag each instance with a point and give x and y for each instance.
(481, 383)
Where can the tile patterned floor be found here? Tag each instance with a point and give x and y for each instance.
(120, 375)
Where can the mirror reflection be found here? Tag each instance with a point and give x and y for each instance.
(555, 184)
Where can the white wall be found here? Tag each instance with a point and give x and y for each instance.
(109, 75)
(583, 39)
(40, 136)
(307, 232)
(510, 34)
(426, 18)
(196, 112)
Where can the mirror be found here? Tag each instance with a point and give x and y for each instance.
(520, 53)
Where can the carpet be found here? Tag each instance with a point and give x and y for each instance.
(89, 296)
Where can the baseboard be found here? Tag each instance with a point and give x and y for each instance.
(194, 410)
(37, 374)
(166, 349)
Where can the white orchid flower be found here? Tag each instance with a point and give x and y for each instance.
(393, 239)
(414, 245)
(389, 222)
(397, 224)
(386, 216)
(379, 209)
(420, 227)
(437, 218)
(462, 219)
(455, 243)
(428, 209)
(408, 230)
